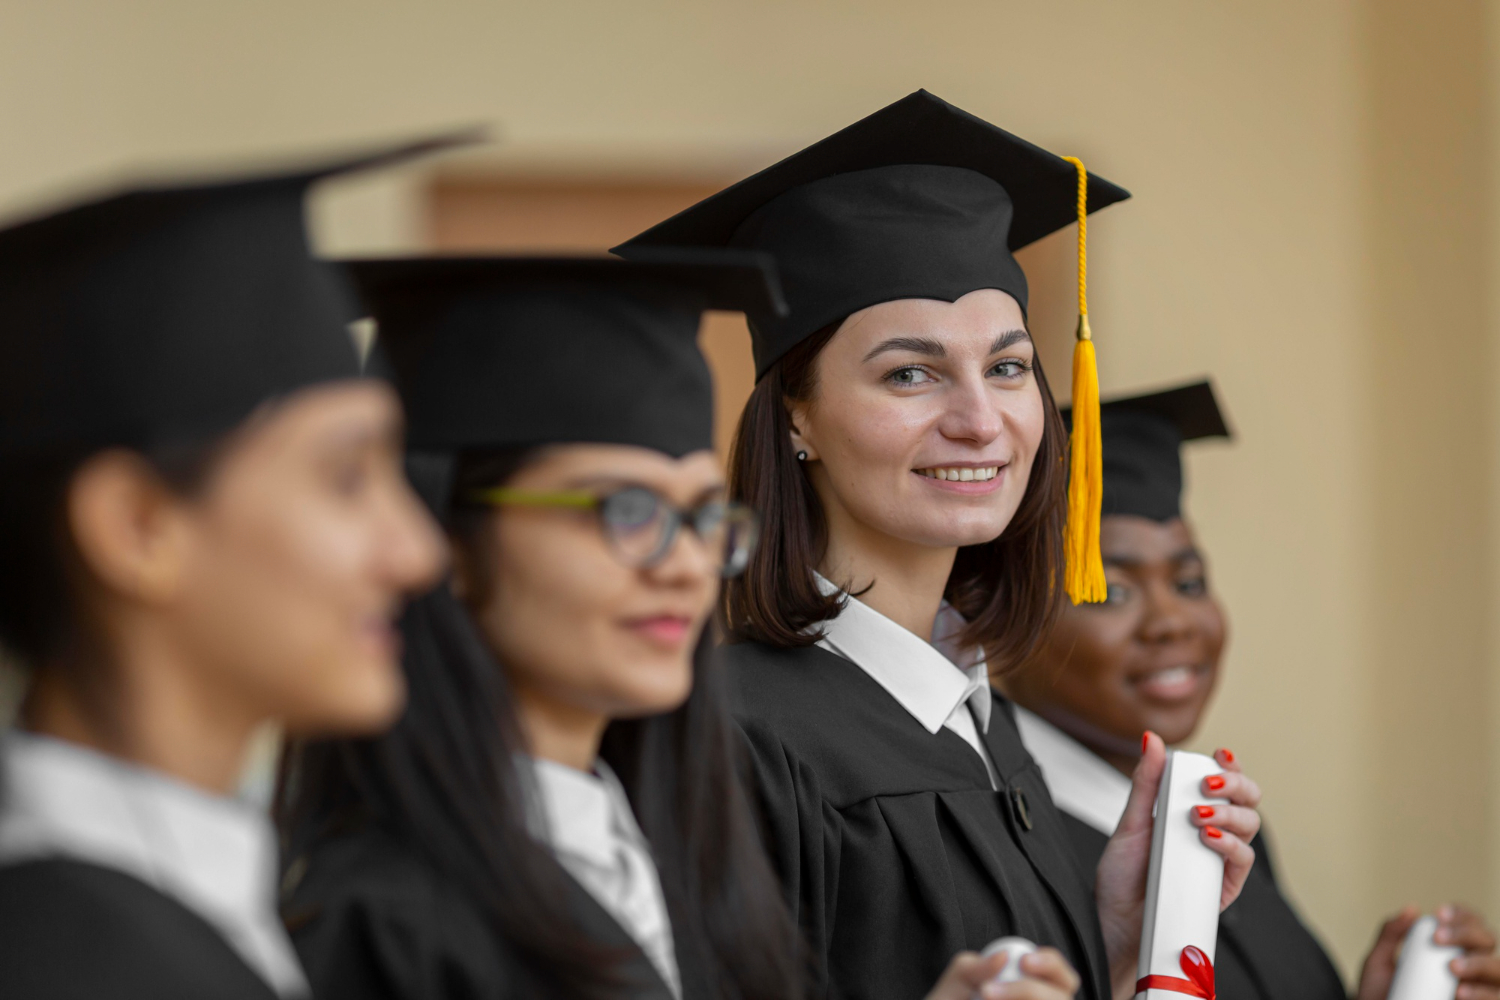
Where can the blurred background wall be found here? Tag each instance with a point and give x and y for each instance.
(1314, 226)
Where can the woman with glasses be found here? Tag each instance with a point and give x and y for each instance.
(204, 528)
(559, 813)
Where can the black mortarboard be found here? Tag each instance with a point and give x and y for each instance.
(919, 200)
(166, 314)
(498, 352)
(1143, 437)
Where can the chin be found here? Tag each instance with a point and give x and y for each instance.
(656, 688)
(368, 703)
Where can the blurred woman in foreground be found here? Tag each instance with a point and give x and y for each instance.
(203, 528)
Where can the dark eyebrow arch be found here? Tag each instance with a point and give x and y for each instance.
(1008, 339)
(917, 345)
(1131, 562)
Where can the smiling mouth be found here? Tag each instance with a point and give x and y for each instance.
(964, 474)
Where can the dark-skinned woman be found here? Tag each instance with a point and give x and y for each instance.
(1147, 660)
(904, 451)
(204, 528)
(559, 813)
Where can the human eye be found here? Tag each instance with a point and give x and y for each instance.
(1011, 369)
(909, 375)
(1193, 585)
(1116, 594)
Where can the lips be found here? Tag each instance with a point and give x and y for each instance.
(1174, 683)
(960, 473)
(666, 631)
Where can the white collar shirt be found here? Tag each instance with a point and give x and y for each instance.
(215, 855)
(587, 822)
(935, 690)
(1082, 783)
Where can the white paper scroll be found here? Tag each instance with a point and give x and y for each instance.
(1422, 972)
(1183, 888)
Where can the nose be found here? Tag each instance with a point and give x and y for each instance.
(973, 414)
(1166, 619)
(414, 552)
(688, 562)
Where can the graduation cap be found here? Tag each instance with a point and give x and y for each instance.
(1143, 438)
(497, 352)
(919, 200)
(167, 313)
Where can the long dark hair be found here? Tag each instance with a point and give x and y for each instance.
(443, 782)
(1008, 589)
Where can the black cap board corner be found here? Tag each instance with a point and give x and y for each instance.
(506, 352)
(165, 314)
(1143, 436)
(919, 200)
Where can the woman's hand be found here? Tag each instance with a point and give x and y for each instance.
(1478, 971)
(1120, 886)
(1048, 977)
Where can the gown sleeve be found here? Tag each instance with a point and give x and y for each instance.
(803, 834)
(385, 928)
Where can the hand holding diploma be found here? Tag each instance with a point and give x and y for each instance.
(1478, 970)
(1226, 829)
(970, 976)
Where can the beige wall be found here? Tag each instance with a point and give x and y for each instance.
(1312, 226)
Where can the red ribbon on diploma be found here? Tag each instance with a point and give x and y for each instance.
(1199, 982)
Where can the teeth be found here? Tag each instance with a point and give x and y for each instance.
(961, 475)
(1171, 675)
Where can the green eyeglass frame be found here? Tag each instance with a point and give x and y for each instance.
(641, 525)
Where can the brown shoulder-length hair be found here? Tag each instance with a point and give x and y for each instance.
(1009, 589)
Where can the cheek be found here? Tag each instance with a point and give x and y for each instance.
(1025, 417)
(855, 429)
(1095, 644)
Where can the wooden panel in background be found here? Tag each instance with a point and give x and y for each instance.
(517, 214)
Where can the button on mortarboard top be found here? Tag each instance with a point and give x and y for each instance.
(1143, 437)
(502, 352)
(919, 200)
(166, 313)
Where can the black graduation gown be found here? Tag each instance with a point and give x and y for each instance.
(1264, 951)
(371, 921)
(71, 930)
(893, 849)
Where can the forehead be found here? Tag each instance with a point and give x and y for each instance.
(647, 466)
(1128, 537)
(979, 314)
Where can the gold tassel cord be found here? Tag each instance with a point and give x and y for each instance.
(1084, 573)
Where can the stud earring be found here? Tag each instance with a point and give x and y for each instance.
(801, 456)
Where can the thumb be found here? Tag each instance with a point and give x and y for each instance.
(1144, 784)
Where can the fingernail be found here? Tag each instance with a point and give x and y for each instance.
(1146, 741)
(1213, 832)
(1227, 754)
(1204, 812)
(1214, 782)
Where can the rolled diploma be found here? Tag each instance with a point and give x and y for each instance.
(1185, 879)
(1422, 972)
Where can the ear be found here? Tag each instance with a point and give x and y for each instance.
(798, 412)
(130, 529)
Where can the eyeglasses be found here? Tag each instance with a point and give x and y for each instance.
(641, 525)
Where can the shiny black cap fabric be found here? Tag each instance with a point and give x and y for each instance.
(498, 352)
(1143, 437)
(919, 200)
(167, 313)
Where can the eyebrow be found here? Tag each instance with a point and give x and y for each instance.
(606, 481)
(1130, 562)
(1007, 339)
(916, 345)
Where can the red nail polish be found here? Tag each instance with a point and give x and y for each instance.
(1228, 755)
(1213, 832)
(1214, 782)
(1204, 812)
(1146, 741)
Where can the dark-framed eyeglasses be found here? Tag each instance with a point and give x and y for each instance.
(641, 525)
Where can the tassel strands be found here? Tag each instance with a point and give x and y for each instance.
(1084, 572)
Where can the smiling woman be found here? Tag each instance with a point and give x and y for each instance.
(906, 456)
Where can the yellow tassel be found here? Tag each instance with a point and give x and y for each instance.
(1084, 574)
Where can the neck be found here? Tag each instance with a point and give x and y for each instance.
(557, 731)
(1120, 754)
(906, 581)
(144, 704)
